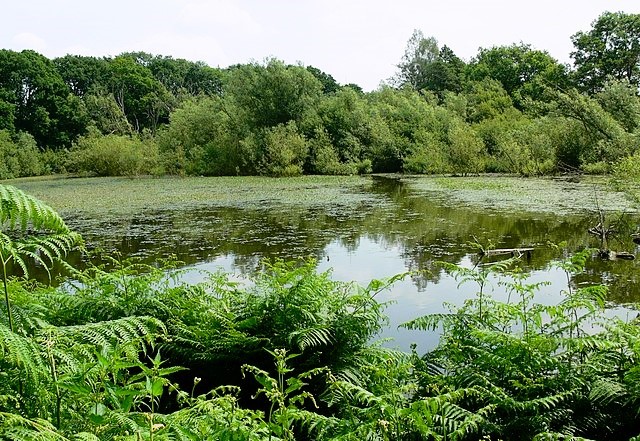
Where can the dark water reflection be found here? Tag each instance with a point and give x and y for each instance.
(403, 230)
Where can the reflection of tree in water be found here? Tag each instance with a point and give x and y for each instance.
(622, 278)
(428, 232)
(424, 231)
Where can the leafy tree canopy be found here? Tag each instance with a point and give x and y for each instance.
(610, 49)
(426, 66)
(329, 84)
(522, 71)
(273, 93)
(35, 99)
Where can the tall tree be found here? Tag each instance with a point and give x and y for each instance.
(183, 77)
(329, 84)
(140, 96)
(425, 66)
(419, 53)
(620, 99)
(272, 94)
(82, 74)
(610, 49)
(35, 96)
(522, 71)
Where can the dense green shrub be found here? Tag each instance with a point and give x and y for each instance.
(20, 156)
(626, 176)
(54, 161)
(114, 155)
(426, 156)
(200, 139)
(465, 151)
(324, 159)
(283, 152)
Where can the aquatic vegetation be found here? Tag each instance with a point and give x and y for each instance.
(542, 195)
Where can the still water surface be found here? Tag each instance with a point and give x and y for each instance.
(394, 227)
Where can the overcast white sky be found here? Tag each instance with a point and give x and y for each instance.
(356, 41)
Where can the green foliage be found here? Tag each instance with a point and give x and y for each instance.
(36, 100)
(283, 152)
(82, 74)
(200, 139)
(427, 67)
(87, 362)
(524, 73)
(286, 396)
(29, 229)
(329, 84)
(521, 146)
(465, 152)
(114, 155)
(182, 77)
(138, 94)
(533, 369)
(626, 175)
(240, 120)
(324, 158)
(620, 99)
(488, 99)
(20, 158)
(105, 113)
(427, 156)
(272, 94)
(610, 48)
(605, 139)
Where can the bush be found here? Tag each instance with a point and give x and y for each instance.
(114, 155)
(324, 158)
(626, 175)
(54, 161)
(200, 140)
(20, 156)
(465, 152)
(597, 168)
(284, 151)
(425, 156)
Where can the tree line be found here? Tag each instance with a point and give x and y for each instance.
(512, 109)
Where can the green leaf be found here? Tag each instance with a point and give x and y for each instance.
(294, 384)
(157, 387)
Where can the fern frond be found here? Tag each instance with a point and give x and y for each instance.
(431, 322)
(20, 210)
(311, 337)
(23, 353)
(110, 333)
(554, 436)
(85, 436)
(605, 391)
(18, 428)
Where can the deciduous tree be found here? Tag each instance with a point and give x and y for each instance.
(35, 99)
(610, 49)
(425, 66)
(522, 71)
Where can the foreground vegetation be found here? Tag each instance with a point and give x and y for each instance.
(131, 353)
(510, 109)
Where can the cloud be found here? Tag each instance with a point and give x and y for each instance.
(28, 40)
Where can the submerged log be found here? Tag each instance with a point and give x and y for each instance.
(514, 252)
(616, 255)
